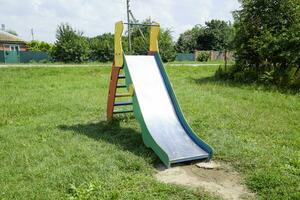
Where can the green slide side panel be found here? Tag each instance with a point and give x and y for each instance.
(147, 138)
(178, 110)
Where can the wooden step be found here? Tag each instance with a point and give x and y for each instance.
(122, 111)
(123, 103)
(123, 95)
(121, 86)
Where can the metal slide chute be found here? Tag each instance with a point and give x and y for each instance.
(164, 128)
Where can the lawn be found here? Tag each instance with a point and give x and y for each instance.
(55, 142)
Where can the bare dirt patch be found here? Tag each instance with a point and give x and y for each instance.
(212, 177)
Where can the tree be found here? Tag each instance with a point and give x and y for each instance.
(35, 45)
(70, 45)
(267, 41)
(187, 41)
(215, 35)
(218, 36)
(140, 45)
(166, 46)
(102, 47)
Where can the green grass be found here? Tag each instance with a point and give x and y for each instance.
(55, 143)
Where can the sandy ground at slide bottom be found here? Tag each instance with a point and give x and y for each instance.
(212, 177)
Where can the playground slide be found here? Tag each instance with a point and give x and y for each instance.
(164, 128)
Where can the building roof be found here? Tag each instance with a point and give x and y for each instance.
(7, 37)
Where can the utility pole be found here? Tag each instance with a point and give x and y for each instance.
(32, 34)
(128, 24)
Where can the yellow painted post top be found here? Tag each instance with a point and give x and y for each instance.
(118, 44)
(154, 32)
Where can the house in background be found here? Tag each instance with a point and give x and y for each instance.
(10, 47)
(14, 50)
(10, 42)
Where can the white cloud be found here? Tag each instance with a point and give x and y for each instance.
(98, 16)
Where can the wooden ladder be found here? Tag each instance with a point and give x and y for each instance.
(114, 85)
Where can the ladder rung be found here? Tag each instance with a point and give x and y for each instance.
(121, 76)
(123, 95)
(123, 103)
(122, 111)
(121, 86)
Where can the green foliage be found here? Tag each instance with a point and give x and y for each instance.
(203, 56)
(140, 45)
(187, 41)
(215, 35)
(267, 41)
(218, 35)
(117, 188)
(166, 46)
(102, 48)
(267, 77)
(35, 45)
(70, 45)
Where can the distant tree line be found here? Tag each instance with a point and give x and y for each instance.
(72, 46)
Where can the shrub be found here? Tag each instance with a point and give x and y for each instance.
(203, 56)
(35, 45)
(70, 45)
(102, 48)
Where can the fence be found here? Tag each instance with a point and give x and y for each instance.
(28, 56)
(2, 57)
(185, 57)
(23, 56)
(213, 55)
(217, 55)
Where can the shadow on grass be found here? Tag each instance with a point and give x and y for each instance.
(127, 139)
(229, 83)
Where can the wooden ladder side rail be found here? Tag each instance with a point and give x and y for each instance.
(117, 65)
(112, 91)
(154, 33)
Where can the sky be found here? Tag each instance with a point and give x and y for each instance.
(95, 17)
